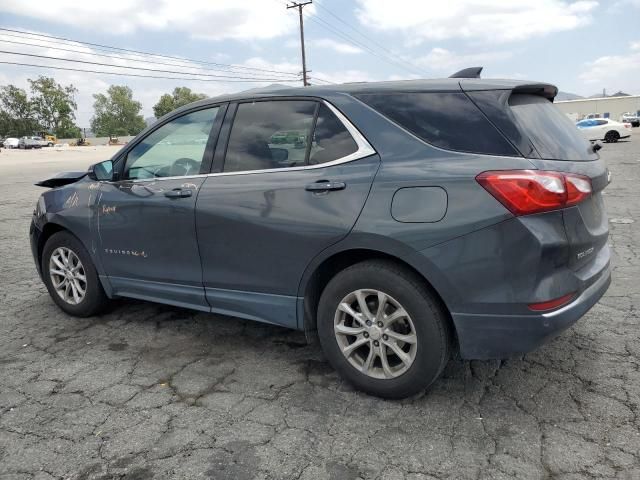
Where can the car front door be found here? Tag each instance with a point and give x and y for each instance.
(146, 222)
(294, 179)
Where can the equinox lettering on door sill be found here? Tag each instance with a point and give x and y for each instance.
(583, 254)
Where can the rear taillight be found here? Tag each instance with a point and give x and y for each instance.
(524, 192)
(627, 125)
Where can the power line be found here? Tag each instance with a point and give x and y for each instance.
(348, 38)
(367, 38)
(139, 52)
(119, 57)
(120, 74)
(326, 25)
(87, 62)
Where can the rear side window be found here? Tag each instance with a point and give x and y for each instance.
(554, 136)
(446, 120)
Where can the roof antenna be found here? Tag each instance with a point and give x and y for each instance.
(471, 72)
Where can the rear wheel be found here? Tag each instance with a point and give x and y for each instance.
(383, 330)
(70, 277)
(612, 136)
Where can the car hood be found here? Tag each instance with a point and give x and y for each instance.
(61, 179)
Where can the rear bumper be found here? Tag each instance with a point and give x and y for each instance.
(484, 336)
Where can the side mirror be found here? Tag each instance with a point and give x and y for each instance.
(101, 171)
(279, 154)
(596, 146)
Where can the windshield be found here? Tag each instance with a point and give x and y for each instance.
(554, 136)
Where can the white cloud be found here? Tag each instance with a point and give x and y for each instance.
(487, 20)
(336, 46)
(440, 59)
(210, 19)
(145, 90)
(615, 72)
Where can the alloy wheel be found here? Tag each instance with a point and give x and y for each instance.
(68, 276)
(375, 334)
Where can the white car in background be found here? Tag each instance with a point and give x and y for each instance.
(604, 129)
(11, 142)
(632, 118)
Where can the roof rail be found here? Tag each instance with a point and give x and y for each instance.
(471, 72)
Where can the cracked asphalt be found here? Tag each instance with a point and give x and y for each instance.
(149, 391)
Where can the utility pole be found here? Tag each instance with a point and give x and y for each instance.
(304, 61)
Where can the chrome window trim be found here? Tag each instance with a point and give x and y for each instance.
(364, 150)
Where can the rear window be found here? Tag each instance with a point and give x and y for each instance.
(446, 120)
(554, 136)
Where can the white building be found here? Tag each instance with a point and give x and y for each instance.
(607, 107)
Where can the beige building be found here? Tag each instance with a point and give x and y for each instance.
(607, 107)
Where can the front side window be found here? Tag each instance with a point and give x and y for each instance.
(173, 150)
(270, 134)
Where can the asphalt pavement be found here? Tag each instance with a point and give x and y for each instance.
(149, 391)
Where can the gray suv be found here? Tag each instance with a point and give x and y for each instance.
(401, 221)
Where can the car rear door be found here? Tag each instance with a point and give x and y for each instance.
(270, 206)
(146, 219)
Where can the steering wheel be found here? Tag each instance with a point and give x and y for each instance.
(185, 166)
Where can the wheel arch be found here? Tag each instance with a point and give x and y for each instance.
(326, 266)
(57, 224)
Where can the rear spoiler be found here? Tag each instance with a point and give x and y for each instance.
(64, 178)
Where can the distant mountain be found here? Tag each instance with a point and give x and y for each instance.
(620, 94)
(567, 96)
(617, 94)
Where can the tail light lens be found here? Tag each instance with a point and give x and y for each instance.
(524, 192)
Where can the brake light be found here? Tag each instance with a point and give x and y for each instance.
(551, 304)
(524, 192)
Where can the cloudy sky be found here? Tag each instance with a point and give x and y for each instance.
(581, 46)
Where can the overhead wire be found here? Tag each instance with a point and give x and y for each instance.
(128, 74)
(143, 53)
(87, 62)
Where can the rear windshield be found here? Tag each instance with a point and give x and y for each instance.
(552, 133)
(444, 119)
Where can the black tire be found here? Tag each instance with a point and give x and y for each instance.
(95, 300)
(430, 322)
(612, 136)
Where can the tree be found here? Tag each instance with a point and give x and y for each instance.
(54, 106)
(116, 113)
(16, 112)
(181, 96)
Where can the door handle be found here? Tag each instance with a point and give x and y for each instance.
(325, 186)
(178, 193)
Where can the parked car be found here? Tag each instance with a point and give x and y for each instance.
(30, 142)
(402, 233)
(604, 129)
(632, 118)
(11, 142)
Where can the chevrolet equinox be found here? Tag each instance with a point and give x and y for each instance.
(399, 220)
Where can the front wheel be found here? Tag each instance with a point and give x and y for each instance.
(383, 330)
(70, 277)
(612, 137)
